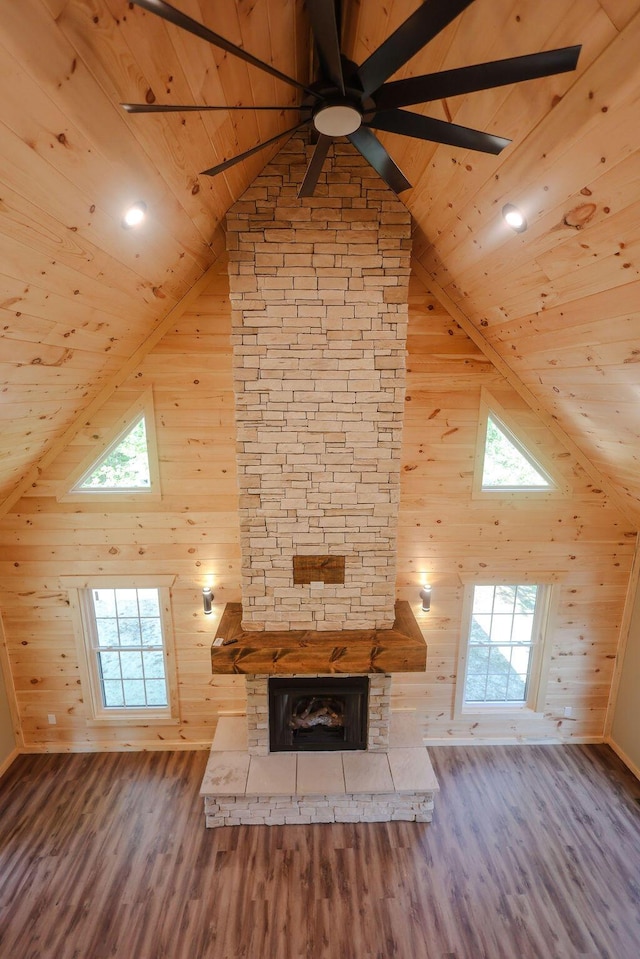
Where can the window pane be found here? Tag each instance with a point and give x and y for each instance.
(483, 599)
(104, 602)
(127, 602)
(520, 659)
(505, 599)
(107, 632)
(501, 629)
(499, 660)
(522, 626)
(131, 665)
(496, 689)
(134, 692)
(517, 689)
(153, 665)
(129, 632)
(112, 692)
(109, 665)
(476, 682)
(506, 466)
(126, 466)
(481, 629)
(151, 632)
(156, 692)
(149, 602)
(526, 599)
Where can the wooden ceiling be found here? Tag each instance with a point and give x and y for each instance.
(559, 304)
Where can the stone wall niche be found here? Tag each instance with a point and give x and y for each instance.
(319, 297)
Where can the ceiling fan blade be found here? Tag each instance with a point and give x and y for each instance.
(376, 156)
(167, 108)
(221, 167)
(429, 19)
(438, 131)
(324, 25)
(482, 76)
(179, 19)
(315, 166)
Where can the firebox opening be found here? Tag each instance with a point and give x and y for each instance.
(318, 713)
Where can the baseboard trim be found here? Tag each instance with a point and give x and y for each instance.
(8, 761)
(98, 747)
(515, 741)
(620, 753)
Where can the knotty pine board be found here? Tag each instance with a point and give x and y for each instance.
(192, 532)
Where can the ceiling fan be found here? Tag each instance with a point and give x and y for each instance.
(353, 101)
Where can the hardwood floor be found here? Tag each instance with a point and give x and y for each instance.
(534, 853)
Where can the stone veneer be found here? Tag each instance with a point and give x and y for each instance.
(319, 297)
(258, 713)
(301, 810)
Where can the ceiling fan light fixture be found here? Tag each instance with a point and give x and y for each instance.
(346, 94)
(337, 120)
(514, 218)
(134, 215)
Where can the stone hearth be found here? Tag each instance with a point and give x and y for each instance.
(299, 788)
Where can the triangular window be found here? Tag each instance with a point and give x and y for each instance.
(125, 466)
(507, 464)
(127, 463)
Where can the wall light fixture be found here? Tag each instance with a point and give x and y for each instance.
(207, 599)
(425, 596)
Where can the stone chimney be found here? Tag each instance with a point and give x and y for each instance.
(319, 297)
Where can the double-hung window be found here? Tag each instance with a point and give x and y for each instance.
(127, 650)
(127, 646)
(502, 655)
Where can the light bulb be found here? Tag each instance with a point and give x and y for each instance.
(514, 217)
(134, 215)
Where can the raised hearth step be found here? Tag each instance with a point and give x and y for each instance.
(306, 787)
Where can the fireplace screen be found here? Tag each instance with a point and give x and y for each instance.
(318, 714)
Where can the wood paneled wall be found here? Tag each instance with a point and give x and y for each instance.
(192, 533)
(452, 537)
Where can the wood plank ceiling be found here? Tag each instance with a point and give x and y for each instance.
(560, 303)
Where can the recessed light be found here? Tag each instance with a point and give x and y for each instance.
(134, 215)
(514, 217)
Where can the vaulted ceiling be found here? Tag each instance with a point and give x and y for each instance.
(558, 307)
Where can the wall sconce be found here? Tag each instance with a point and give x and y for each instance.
(207, 599)
(425, 596)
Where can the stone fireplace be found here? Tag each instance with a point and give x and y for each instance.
(319, 294)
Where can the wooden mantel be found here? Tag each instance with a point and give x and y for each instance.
(401, 649)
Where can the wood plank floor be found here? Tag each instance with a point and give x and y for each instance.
(534, 853)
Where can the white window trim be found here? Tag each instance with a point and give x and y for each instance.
(69, 489)
(78, 589)
(546, 608)
(489, 406)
